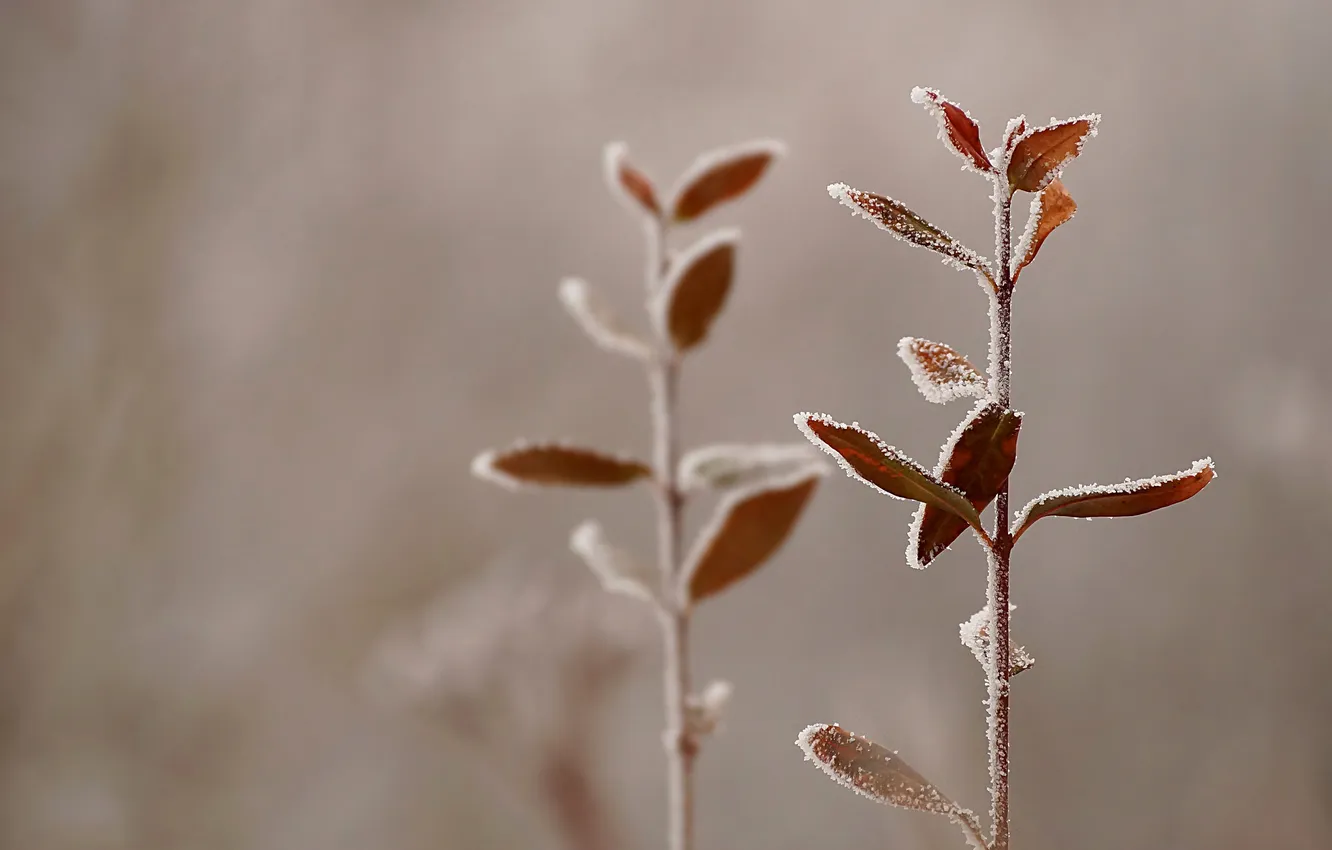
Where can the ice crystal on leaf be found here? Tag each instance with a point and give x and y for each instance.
(940, 373)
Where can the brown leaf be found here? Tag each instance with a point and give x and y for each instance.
(748, 528)
(721, 176)
(1052, 207)
(1016, 127)
(939, 372)
(1128, 499)
(900, 221)
(549, 464)
(626, 181)
(695, 290)
(872, 461)
(957, 130)
(977, 461)
(1041, 154)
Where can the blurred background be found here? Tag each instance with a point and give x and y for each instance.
(272, 272)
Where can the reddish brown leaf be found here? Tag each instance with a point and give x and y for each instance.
(957, 130)
(632, 185)
(897, 219)
(695, 290)
(1016, 127)
(976, 461)
(1127, 499)
(1041, 154)
(939, 372)
(748, 528)
(549, 464)
(872, 461)
(721, 176)
(1052, 207)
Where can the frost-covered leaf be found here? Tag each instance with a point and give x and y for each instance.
(876, 772)
(957, 130)
(976, 460)
(1041, 154)
(1016, 127)
(1049, 209)
(695, 289)
(1115, 500)
(721, 176)
(727, 465)
(599, 321)
(749, 526)
(976, 637)
(552, 464)
(900, 221)
(703, 712)
(631, 186)
(939, 372)
(617, 570)
(872, 461)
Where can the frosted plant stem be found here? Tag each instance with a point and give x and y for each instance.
(681, 745)
(997, 670)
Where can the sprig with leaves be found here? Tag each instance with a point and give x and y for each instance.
(763, 488)
(976, 461)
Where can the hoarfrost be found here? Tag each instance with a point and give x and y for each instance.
(951, 127)
(802, 420)
(975, 636)
(659, 306)
(940, 373)
(899, 220)
(720, 158)
(704, 711)
(599, 321)
(728, 465)
(1200, 468)
(616, 569)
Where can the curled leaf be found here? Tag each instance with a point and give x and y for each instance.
(876, 772)
(1041, 154)
(957, 130)
(939, 372)
(695, 289)
(873, 462)
(976, 460)
(721, 176)
(703, 712)
(897, 219)
(551, 464)
(599, 321)
(1052, 207)
(975, 636)
(727, 465)
(749, 526)
(631, 186)
(1127, 499)
(617, 570)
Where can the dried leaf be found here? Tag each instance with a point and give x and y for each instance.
(939, 372)
(551, 464)
(976, 460)
(721, 176)
(1041, 154)
(1116, 500)
(957, 130)
(1052, 207)
(728, 465)
(872, 461)
(748, 527)
(617, 570)
(600, 322)
(695, 289)
(631, 186)
(900, 221)
(975, 636)
(870, 770)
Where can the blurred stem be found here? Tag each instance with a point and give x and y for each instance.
(681, 745)
(579, 811)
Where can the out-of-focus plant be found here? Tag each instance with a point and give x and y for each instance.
(975, 462)
(763, 488)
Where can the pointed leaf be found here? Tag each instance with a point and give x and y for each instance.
(721, 176)
(957, 130)
(631, 186)
(1052, 207)
(867, 458)
(617, 570)
(551, 464)
(870, 770)
(725, 466)
(900, 221)
(600, 322)
(1016, 127)
(976, 460)
(939, 372)
(1041, 154)
(1116, 500)
(749, 526)
(695, 289)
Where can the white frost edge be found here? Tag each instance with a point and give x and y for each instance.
(1093, 120)
(841, 192)
(612, 159)
(599, 321)
(930, 98)
(802, 422)
(749, 462)
(936, 392)
(659, 306)
(969, 633)
(1001, 153)
(1020, 258)
(1126, 486)
(617, 570)
(483, 465)
(705, 710)
(718, 157)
